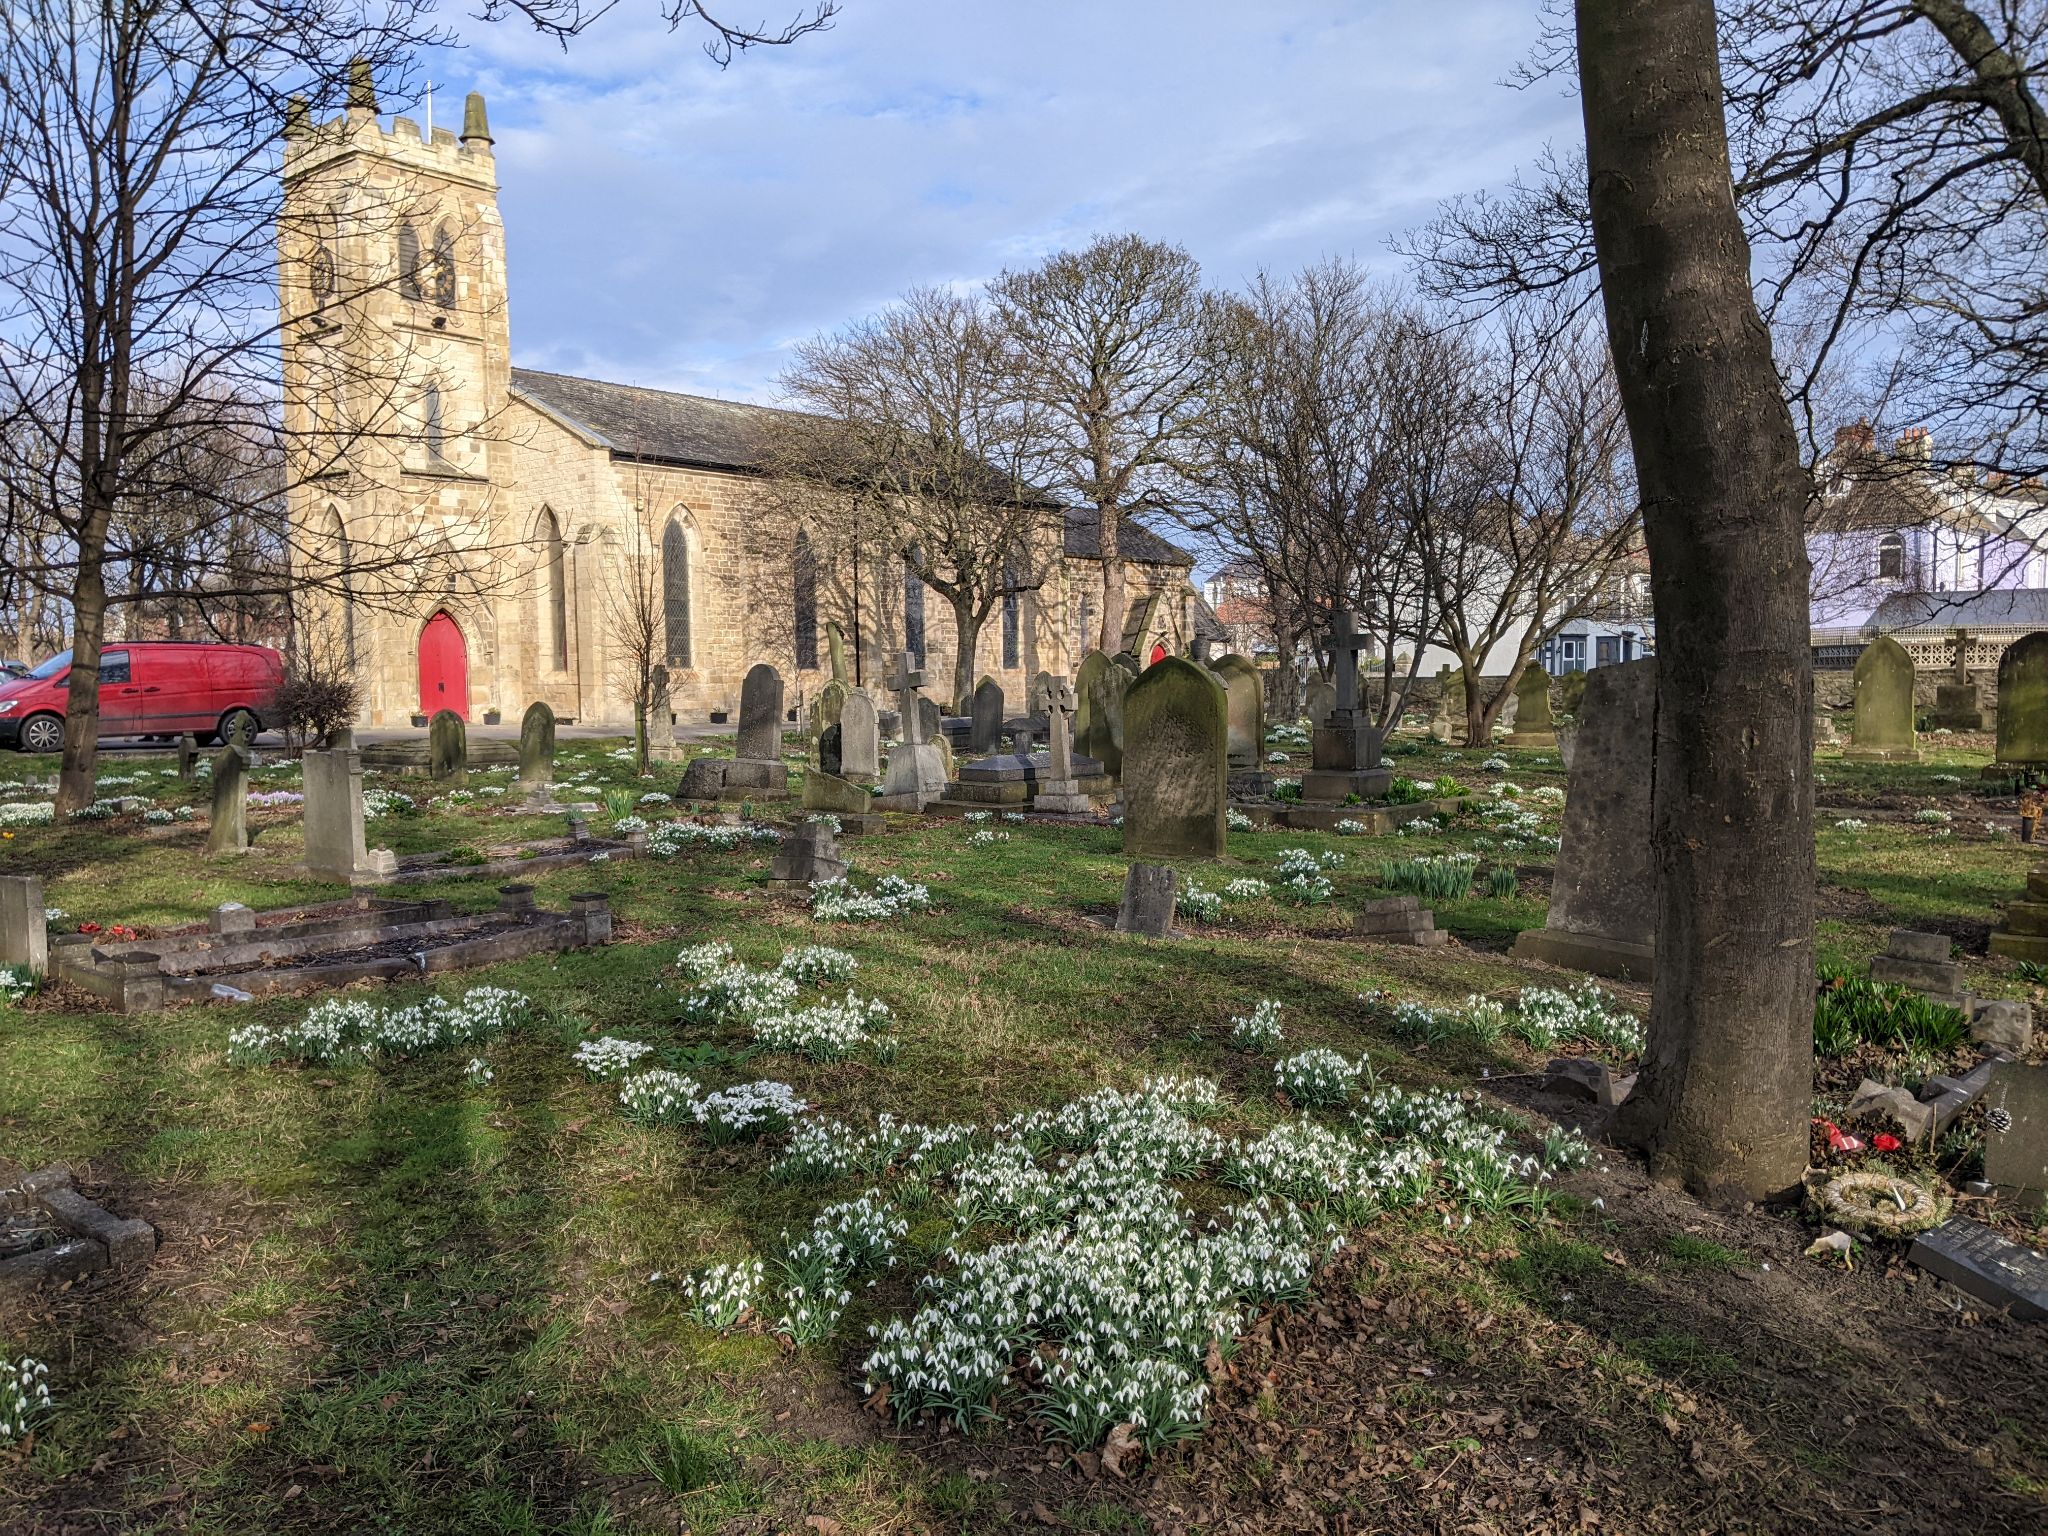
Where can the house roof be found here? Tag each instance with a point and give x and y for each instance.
(2012, 608)
(661, 425)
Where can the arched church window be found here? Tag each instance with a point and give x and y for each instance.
(675, 593)
(434, 434)
(1891, 557)
(557, 588)
(913, 608)
(444, 266)
(408, 262)
(805, 567)
(1011, 615)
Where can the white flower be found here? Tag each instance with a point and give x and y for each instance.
(610, 1056)
(1258, 1030)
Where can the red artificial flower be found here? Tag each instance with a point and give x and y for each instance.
(88, 927)
(1884, 1141)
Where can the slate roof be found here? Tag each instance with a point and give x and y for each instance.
(670, 428)
(2008, 608)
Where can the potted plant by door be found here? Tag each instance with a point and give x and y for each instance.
(722, 713)
(419, 720)
(492, 717)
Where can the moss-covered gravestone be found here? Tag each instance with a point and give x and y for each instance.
(1535, 726)
(827, 708)
(1321, 699)
(1176, 771)
(1247, 710)
(2023, 700)
(1099, 711)
(447, 747)
(537, 747)
(1884, 705)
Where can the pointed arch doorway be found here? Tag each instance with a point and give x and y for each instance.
(444, 667)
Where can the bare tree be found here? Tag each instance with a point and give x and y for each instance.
(1114, 344)
(1525, 499)
(564, 19)
(921, 427)
(1727, 1077)
(634, 601)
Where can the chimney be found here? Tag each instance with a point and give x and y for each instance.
(1859, 438)
(1916, 444)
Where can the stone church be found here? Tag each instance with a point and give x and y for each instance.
(476, 536)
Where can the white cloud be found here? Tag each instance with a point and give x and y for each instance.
(670, 223)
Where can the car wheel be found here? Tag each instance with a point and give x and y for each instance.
(42, 733)
(228, 721)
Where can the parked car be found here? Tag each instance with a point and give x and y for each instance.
(147, 688)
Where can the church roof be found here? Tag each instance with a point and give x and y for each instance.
(670, 428)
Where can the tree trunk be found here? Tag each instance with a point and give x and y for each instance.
(1722, 1101)
(966, 642)
(78, 776)
(1111, 638)
(640, 734)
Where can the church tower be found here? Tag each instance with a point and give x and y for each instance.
(396, 362)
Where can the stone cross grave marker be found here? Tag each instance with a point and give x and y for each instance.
(908, 679)
(1060, 791)
(1346, 644)
(1344, 749)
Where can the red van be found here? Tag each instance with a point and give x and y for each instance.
(147, 688)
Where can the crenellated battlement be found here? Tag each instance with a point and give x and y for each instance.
(464, 156)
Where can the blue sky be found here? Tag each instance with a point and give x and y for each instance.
(676, 225)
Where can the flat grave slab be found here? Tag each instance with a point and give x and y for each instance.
(1992, 1267)
(50, 1233)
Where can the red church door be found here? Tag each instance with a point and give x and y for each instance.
(444, 668)
(1158, 655)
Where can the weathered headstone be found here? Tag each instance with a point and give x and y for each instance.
(1987, 1264)
(931, 723)
(1399, 919)
(2023, 700)
(1921, 961)
(806, 855)
(1534, 724)
(2016, 1131)
(1884, 705)
(1322, 698)
(229, 832)
(1450, 705)
(760, 736)
(1099, 712)
(188, 757)
(1345, 747)
(1060, 791)
(986, 733)
(1603, 895)
(335, 847)
(839, 796)
(24, 925)
(1147, 906)
(860, 739)
(537, 747)
(1176, 776)
(1245, 703)
(830, 750)
(827, 708)
(447, 747)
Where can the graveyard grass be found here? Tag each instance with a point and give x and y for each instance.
(395, 1299)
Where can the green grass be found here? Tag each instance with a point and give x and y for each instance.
(429, 1305)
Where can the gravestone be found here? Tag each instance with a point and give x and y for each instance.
(447, 747)
(1129, 663)
(1884, 705)
(1989, 1265)
(334, 821)
(830, 752)
(1603, 895)
(1399, 919)
(188, 757)
(2016, 1132)
(1322, 698)
(2023, 700)
(931, 724)
(24, 925)
(828, 708)
(1147, 906)
(1099, 712)
(760, 737)
(1246, 711)
(860, 737)
(1176, 776)
(1957, 705)
(807, 855)
(1345, 748)
(1921, 961)
(917, 769)
(840, 797)
(986, 732)
(1450, 705)
(1824, 734)
(229, 832)
(537, 748)
(1534, 725)
(1060, 791)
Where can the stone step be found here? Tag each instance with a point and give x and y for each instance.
(2020, 946)
(2027, 917)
